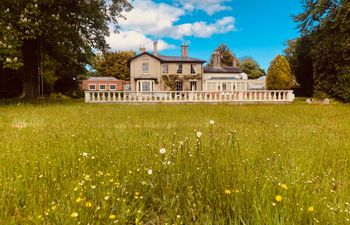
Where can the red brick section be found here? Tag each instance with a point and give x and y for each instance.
(118, 83)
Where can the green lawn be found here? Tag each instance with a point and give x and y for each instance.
(70, 162)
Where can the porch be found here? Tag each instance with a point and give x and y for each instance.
(261, 96)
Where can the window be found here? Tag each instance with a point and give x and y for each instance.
(145, 67)
(179, 69)
(179, 85)
(224, 87)
(112, 87)
(102, 87)
(145, 86)
(193, 85)
(165, 69)
(193, 71)
(92, 87)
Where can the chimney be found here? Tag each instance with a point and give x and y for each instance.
(217, 59)
(234, 63)
(184, 50)
(155, 47)
(142, 49)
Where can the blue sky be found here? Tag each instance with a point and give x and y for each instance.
(253, 28)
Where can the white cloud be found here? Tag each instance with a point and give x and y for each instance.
(160, 20)
(209, 6)
(131, 40)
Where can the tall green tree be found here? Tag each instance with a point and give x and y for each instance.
(251, 67)
(326, 23)
(300, 61)
(114, 64)
(226, 55)
(66, 30)
(279, 75)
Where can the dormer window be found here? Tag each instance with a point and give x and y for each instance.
(179, 69)
(193, 70)
(145, 68)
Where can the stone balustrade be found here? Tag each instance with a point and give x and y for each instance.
(270, 96)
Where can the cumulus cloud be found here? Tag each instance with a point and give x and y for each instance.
(161, 20)
(209, 6)
(132, 40)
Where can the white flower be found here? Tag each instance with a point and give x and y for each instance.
(162, 151)
(85, 154)
(15, 59)
(211, 122)
(199, 134)
(150, 171)
(8, 60)
(8, 28)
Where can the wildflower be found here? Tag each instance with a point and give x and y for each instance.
(78, 200)
(88, 204)
(8, 60)
(85, 154)
(279, 198)
(112, 216)
(211, 122)
(199, 134)
(106, 198)
(150, 171)
(283, 186)
(311, 209)
(74, 215)
(162, 151)
(228, 192)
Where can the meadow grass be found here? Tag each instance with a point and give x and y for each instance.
(76, 163)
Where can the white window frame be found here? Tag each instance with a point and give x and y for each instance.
(145, 67)
(140, 85)
(180, 71)
(177, 86)
(112, 89)
(196, 85)
(165, 68)
(90, 85)
(100, 89)
(193, 69)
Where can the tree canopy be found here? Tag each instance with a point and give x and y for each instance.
(325, 44)
(65, 30)
(279, 75)
(251, 67)
(114, 64)
(226, 55)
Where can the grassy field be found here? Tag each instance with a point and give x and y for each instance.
(75, 163)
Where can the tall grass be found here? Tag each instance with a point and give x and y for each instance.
(76, 163)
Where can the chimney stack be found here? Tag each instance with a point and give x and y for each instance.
(234, 63)
(217, 59)
(184, 50)
(142, 49)
(155, 47)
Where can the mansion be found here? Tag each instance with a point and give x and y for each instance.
(152, 72)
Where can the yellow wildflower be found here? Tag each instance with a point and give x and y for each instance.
(88, 204)
(279, 198)
(311, 209)
(283, 186)
(74, 215)
(112, 216)
(78, 200)
(228, 192)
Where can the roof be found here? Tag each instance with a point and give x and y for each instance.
(164, 58)
(211, 69)
(102, 79)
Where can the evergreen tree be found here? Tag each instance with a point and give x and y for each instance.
(279, 75)
(251, 67)
(226, 55)
(65, 30)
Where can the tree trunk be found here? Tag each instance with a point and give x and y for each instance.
(30, 51)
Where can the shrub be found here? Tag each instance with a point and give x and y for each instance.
(279, 75)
